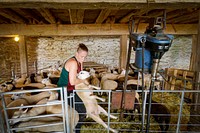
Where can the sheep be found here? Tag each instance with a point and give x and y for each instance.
(92, 108)
(52, 109)
(36, 110)
(32, 99)
(161, 115)
(32, 112)
(15, 103)
(107, 81)
(25, 100)
(20, 81)
(5, 88)
(7, 100)
(109, 85)
(94, 79)
(30, 86)
(45, 129)
(47, 83)
(110, 76)
(38, 78)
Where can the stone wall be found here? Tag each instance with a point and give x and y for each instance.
(9, 57)
(46, 51)
(104, 50)
(179, 54)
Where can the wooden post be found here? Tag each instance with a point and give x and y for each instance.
(193, 53)
(123, 51)
(23, 56)
(195, 64)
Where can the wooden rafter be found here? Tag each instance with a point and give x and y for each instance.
(47, 15)
(26, 15)
(76, 16)
(158, 13)
(94, 4)
(184, 17)
(12, 16)
(137, 13)
(110, 19)
(3, 20)
(174, 14)
(102, 16)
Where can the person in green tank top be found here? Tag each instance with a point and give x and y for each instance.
(68, 79)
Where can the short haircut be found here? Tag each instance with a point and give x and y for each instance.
(82, 46)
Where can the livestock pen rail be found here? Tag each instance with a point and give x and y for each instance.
(9, 111)
(170, 112)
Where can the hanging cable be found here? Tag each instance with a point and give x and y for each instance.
(143, 40)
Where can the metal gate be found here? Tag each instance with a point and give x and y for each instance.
(183, 116)
(63, 114)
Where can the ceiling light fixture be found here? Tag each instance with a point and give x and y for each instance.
(16, 38)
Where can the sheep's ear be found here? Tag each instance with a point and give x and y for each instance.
(25, 110)
(56, 95)
(21, 106)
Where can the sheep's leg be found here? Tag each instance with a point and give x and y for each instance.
(38, 110)
(95, 87)
(105, 112)
(96, 97)
(100, 121)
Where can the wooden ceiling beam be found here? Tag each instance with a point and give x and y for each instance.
(137, 13)
(26, 15)
(94, 4)
(194, 20)
(102, 16)
(110, 20)
(47, 15)
(3, 20)
(12, 16)
(184, 17)
(175, 13)
(87, 29)
(159, 13)
(76, 16)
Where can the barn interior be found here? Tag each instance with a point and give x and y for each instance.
(38, 36)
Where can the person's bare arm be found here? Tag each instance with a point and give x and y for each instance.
(72, 68)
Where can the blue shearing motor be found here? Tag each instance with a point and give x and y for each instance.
(156, 43)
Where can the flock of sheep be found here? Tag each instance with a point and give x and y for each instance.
(47, 80)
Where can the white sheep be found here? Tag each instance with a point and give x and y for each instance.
(94, 79)
(6, 87)
(51, 109)
(109, 85)
(89, 99)
(32, 99)
(45, 129)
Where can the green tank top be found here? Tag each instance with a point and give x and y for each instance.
(64, 77)
(63, 80)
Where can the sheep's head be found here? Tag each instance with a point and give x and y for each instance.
(2, 87)
(53, 95)
(6, 87)
(18, 114)
(18, 95)
(83, 75)
(46, 81)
